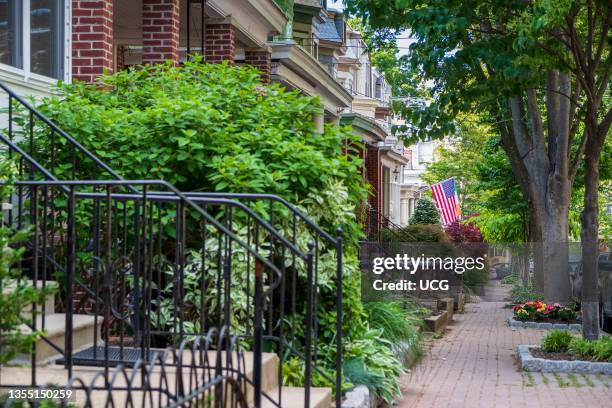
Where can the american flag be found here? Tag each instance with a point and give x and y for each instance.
(445, 196)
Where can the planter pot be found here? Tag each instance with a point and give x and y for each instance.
(530, 363)
(436, 323)
(512, 322)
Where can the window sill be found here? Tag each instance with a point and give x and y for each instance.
(33, 82)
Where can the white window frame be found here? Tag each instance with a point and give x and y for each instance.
(24, 74)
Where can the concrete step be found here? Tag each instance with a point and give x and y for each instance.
(49, 306)
(294, 397)
(55, 329)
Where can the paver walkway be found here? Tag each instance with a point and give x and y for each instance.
(474, 365)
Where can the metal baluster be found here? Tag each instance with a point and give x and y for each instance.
(136, 265)
(203, 276)
(308, 339)
(258, 333)
(339, 294)
(34, 221)
(70, 269)
(107, 281)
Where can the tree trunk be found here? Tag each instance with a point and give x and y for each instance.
(589, 235)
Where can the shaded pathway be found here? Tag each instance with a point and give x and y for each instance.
(474, 365)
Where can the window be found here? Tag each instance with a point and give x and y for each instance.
(32, 36)
(46, 45)
(10, 32)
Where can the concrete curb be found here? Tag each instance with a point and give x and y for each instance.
(530, 363)
(517, 324)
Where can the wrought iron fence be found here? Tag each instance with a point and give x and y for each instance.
(203, 371)
(153, 265)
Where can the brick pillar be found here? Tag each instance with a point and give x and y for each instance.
(261, 60)
(220, 43)
(92, 38)
(160, 31)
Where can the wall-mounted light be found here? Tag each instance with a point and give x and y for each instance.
(396, 173)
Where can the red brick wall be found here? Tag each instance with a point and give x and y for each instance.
(260, 59)
(374, 177)
(220, 43)
(160, 31)
(92, 38)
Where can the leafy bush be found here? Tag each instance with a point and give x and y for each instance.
(371, 361)
(398, 321)
(581, 347)
(418, 233)
(521, 294)
(16, 293)
(512, 279)
(425, 213)
(212, 127)
(557, 341)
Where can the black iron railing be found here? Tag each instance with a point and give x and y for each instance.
(204, 371)
(378, 226)
(153, 265)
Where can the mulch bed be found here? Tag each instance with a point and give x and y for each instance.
(536, 352)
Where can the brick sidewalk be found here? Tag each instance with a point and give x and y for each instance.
(474, 365)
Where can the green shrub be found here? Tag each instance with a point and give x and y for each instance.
(398, 321)
(425, 213)
(567, 314)
(522, 294)
(602, 349)
(417, 233)
(512, 279)
(212, 127)
(599, 350)
(15, 292)
(581, 347)
(557, 341)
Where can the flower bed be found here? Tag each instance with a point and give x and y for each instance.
(538, 311)
(531, 362)
(561, 352)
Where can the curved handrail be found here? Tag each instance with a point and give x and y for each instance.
(57, 129)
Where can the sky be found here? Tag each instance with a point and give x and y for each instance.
(403, 43)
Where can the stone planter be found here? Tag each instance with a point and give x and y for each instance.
(436, 323)
(459, 303)
(512, 322)
(447, 304)
(530, 363)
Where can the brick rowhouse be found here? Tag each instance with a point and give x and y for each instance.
(92, 38)
(260, 59)
(160, 31)
(220, 43)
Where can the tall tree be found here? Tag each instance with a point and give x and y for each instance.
(541, 69)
